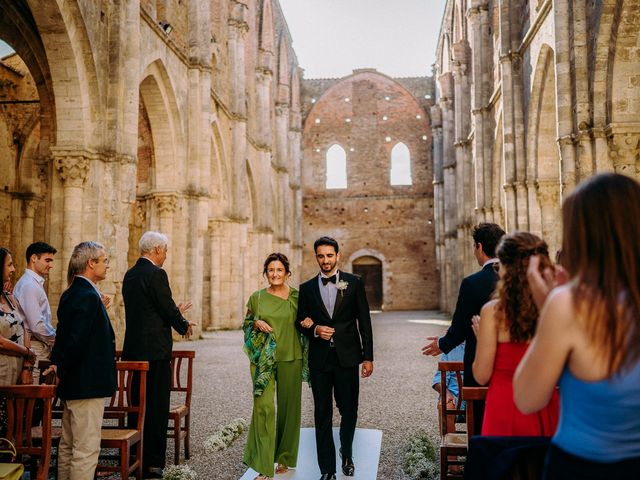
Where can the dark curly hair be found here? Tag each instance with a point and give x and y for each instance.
(277, 257)
(515, 301)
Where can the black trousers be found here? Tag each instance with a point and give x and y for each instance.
(156, 419)
(344, 383)
(561, 465)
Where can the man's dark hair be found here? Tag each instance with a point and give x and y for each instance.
(38, 248)
(489, 235)
(326, 241)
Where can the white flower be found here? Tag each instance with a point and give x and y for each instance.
(342, 286)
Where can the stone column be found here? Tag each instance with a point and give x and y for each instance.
(508, 119)
(264, 78)
(73, 170)
(238, 28)
(482, 52)
(281, 164)
(549, 200)
(438, 197)
(165, 205)
(564, 101)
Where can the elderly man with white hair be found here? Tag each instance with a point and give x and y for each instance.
(150, 314)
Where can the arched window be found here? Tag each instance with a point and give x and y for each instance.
(336, 167)
(400, 165)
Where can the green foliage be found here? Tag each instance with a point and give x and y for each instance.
(179, 472)
(225, 436)
(421, 460)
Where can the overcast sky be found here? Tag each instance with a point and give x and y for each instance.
(333, 37)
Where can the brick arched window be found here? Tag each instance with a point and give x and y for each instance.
(336, 167)
(400, 165)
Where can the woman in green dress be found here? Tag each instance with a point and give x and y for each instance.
(278, 366)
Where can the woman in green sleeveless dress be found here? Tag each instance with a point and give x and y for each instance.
(278, 364)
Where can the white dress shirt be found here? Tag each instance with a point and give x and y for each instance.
(328, 292)
(29, 291)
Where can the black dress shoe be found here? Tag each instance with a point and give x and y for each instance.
(348, 468)
(328, 476)
(152, 472)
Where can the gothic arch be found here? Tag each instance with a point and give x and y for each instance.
(336, 167)
(267, 36)
(159, 99)
(604, 56)
(399, 162)
(220, 175)
(386, 268)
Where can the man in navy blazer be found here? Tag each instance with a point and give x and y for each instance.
(150, 315)
(475, 291)
(83, 358)
(334, 313)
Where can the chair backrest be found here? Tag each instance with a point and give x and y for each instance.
(21, 401)
(182, 378)
(122, 401)
(471, 394)
(445, 411)
(118, 355)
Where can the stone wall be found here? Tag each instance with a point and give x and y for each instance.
(368, 114)
(532, 97)
(180, 116)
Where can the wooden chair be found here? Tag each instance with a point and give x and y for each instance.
(452, 443)
(181, 385)
(21, 401)
(469, 395)
(121, 404)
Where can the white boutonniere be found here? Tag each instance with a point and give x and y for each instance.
(342, 286)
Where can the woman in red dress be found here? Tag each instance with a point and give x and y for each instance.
(507, 324)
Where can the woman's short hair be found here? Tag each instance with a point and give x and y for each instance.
(150, 240)
(82, 253)
(276, 257)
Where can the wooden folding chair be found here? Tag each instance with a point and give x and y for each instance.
(452, 443)
(181, 386)
(471, 395)
(21, 401)
(121, 405)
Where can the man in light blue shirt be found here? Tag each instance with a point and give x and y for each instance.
(30, 293)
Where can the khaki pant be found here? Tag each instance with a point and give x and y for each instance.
(42, 351)
(80, 443)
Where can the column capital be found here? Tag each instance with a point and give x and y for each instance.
(282, 109)
(73, 169)
(624, 150)
(165, 203)
(548, 192)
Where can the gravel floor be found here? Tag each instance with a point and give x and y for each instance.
(397, 399)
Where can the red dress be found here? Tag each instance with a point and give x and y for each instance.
(501, 416)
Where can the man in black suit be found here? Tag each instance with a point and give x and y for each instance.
(475, 291)
(83, 358)
(333, 312)
(150, 313)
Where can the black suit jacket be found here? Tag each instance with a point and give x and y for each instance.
(475, 291)
(353, 337)
(150, 313)
(85, 347)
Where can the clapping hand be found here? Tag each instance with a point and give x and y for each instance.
(541, 283)
(183, 307)
(106, 300)
(432, 348)
(475, 324)
(190, 329)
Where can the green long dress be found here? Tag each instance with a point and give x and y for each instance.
(274, 433)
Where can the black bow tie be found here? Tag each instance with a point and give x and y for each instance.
(326, 280)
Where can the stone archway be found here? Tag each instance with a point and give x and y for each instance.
(374, 269)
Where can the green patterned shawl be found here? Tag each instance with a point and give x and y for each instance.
(260, 347)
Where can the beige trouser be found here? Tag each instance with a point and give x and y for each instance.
(80, 442)
(42, 351)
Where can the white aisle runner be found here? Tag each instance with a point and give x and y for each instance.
(366, 454)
